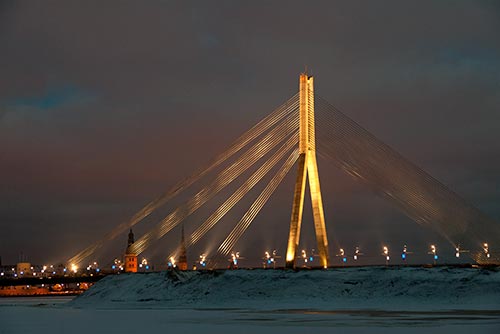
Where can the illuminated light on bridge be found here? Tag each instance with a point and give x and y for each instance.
(357, 253)
(171, 262)
(203, 260)
(433, 252)
(234, 260)
(404, 254)
(459, 251)
(385, 253)
(290, 135)
(486, 250)
(235, 257)
(117, 265)
(91, 267)
(270, 258)
(342, 256)
(304, 256)
(144, 264)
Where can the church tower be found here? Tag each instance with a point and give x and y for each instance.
(182, 264)
(130, 256)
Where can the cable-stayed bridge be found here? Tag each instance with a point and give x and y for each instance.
(303, 126)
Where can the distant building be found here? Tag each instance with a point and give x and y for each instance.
(130, 256)
(23, 268)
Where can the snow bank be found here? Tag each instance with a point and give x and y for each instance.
(365, 287)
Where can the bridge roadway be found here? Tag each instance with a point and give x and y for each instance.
(33, 281)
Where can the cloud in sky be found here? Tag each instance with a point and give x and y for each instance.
(53, 97)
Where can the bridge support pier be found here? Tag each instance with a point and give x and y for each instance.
(307, 170)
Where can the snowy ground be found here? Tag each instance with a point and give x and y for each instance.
(350, 300)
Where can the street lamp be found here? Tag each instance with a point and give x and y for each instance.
(433, 252)
(385, 252)
(486, 250)
(357, 253)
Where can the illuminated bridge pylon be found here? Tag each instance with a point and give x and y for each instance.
(307, 170)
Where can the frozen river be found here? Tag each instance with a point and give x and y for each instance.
(261, 302)
(52, 316)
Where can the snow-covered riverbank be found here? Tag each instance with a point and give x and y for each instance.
(390, 288)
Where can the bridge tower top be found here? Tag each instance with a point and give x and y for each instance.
(306, 110)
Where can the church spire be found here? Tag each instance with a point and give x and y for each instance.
(130, 256)
(183, 264)
(130, 238)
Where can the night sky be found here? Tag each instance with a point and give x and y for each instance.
(104, 105)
